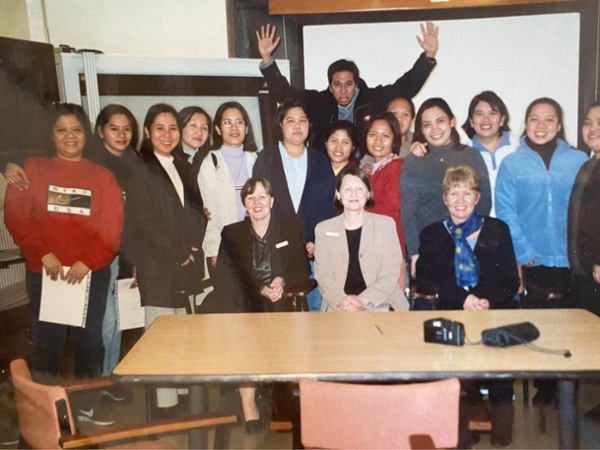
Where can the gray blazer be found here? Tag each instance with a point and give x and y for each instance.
(380, 260)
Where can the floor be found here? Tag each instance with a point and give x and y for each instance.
(526, 430)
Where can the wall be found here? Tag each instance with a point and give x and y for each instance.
(182, 28)
(13, 19)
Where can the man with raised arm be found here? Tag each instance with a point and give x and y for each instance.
(347, 97)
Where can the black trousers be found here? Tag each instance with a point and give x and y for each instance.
(548, 287)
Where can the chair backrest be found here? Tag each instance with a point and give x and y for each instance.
(36, 405)
(345, 415)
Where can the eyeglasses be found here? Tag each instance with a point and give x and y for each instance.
(228, 123)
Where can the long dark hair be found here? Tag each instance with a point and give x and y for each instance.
(443, 105)
(391, 120)
(557, 108)
(185, 115)
(249, 143)
(104, 118)
(492, 99)
(160, 108)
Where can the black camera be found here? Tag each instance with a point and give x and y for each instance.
(444, 331)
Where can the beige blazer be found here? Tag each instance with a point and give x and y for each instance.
(380, 259)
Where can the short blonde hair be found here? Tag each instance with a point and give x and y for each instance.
(458, 175)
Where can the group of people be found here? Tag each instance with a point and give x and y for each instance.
(349, 196)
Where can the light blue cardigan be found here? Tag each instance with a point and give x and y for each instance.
(534, 201)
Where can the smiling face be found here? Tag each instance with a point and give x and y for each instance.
(401, 109)
(233, 128)
(163, 134)
(591, 130)
(195, 133)
(339, 148)
(486, 121)
(294, 127)
(380, 139)
(68, 136)
(436, 126)
(460, 201)
(343, 86)
(542, 124)
(116, 134)
(259, 203)
(353, 193)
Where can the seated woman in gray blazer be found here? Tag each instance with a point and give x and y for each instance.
(357, 254)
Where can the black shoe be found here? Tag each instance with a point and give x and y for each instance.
(254, 426)
(544, 397)
(594, 414)
(500, 441)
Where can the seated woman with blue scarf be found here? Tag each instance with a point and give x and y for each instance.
(467, 262)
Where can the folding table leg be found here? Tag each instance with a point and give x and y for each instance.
(568, 427)
(197, 438)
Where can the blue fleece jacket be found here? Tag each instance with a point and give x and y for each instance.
(534, 200)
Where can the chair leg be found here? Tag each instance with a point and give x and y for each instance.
(222, 436)
(296, 431)
(525, 384)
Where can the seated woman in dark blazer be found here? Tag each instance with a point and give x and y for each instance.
(258, 258)
(467, 262)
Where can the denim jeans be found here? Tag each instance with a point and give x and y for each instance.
(313, 298)
(111, 335)
(49, 338)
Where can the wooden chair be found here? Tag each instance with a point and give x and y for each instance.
(343, 415)
(46, 420)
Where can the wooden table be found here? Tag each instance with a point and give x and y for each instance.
(362, 347)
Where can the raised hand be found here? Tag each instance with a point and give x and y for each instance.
(267, 42)
(429, 41)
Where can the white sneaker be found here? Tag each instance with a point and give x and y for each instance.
(99, 417)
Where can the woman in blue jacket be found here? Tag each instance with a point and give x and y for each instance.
(532, 196)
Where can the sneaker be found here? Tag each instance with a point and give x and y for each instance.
(118, 394)
(98, 416)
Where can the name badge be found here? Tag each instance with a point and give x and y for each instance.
(332, 234)
(282, 244)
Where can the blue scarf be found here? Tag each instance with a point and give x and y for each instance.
(466, 267)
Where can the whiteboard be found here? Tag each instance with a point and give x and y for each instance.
(520, 58)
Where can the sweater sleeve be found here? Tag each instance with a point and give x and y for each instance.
(409, 189)
(104, 244)
(506, 210)
(23, 220)
(484, 206)
(409, 84)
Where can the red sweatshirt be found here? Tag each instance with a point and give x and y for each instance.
(385, 183)
(73, 209)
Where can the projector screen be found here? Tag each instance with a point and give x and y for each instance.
(520, 58)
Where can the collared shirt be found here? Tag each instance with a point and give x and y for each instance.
(508, 144)
(167, 163)
(347, 112)
(189, 152)
(295, 174)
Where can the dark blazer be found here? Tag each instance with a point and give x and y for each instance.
(316, 204)
(234, 282)
(165, 232)
(584, 217)
(322, 106)
(498, 278)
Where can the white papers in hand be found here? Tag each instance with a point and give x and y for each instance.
(130, 312)
(65, 303)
